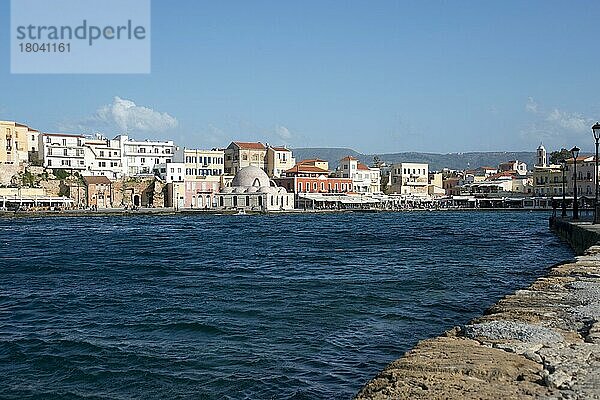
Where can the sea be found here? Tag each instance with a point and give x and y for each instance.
(290, 306)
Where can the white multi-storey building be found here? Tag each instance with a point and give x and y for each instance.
(170, 172)
(410, 179)
(103, 158)
(201, 163)
(62, 151)
(364, 179)
(279, 160)
(140, 157)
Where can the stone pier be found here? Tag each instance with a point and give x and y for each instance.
(542, 342)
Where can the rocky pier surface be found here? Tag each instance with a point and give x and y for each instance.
(542, 342)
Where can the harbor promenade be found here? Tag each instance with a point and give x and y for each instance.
(542, 342)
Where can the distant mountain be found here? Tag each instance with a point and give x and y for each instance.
(436, 161)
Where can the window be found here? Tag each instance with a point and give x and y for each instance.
(156, 150)
(66, 152)
(315, 185)
(142, 150)
(49, 163)
(101, 153)
(64, 142)
(143, 160)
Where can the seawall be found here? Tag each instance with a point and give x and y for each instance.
(542, 342)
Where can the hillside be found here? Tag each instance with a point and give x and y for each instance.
(435, 161)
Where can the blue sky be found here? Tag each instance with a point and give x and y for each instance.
(376, 76)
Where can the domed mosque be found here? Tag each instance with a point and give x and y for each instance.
(251, 189)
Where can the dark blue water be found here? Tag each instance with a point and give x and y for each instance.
(295, 306)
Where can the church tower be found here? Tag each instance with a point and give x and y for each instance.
(542, 157)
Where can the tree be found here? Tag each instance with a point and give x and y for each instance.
(557, 156)
(377, 162)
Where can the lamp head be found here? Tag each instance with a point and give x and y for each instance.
(596, 130)
(575, 153)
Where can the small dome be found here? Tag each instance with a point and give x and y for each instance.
(250, 176)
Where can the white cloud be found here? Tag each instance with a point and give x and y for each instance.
(570, 121)
(124, 116)
(283, 133)
(556, 127)
(531, 106)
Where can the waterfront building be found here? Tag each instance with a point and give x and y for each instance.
(252, 189)
(103, 157)
(308, 178)
(436, 184)
(240, 155)
(364, 179)
(201, 163)
(547, 181)
(451, 185)
(410, 179)
(62, 151)
(170, 172)
(271, 159)
(15, 142)
(279, 159)
(99, 191)
(585, 176)
(140, 157)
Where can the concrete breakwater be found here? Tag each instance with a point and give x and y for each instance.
(542, 342)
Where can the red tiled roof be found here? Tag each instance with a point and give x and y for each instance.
(311, 160)
(307, 168)
(362, 167)
(280, 149)
(250, 145)
(501, 174)
(580, 158)
(96, 180)
(349, 158)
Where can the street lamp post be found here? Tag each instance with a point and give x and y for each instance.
(596, 131)
(564, 199)
(575, 154)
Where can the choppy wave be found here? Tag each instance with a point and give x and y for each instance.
(295, 306)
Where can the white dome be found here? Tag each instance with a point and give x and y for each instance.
(251, 176)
